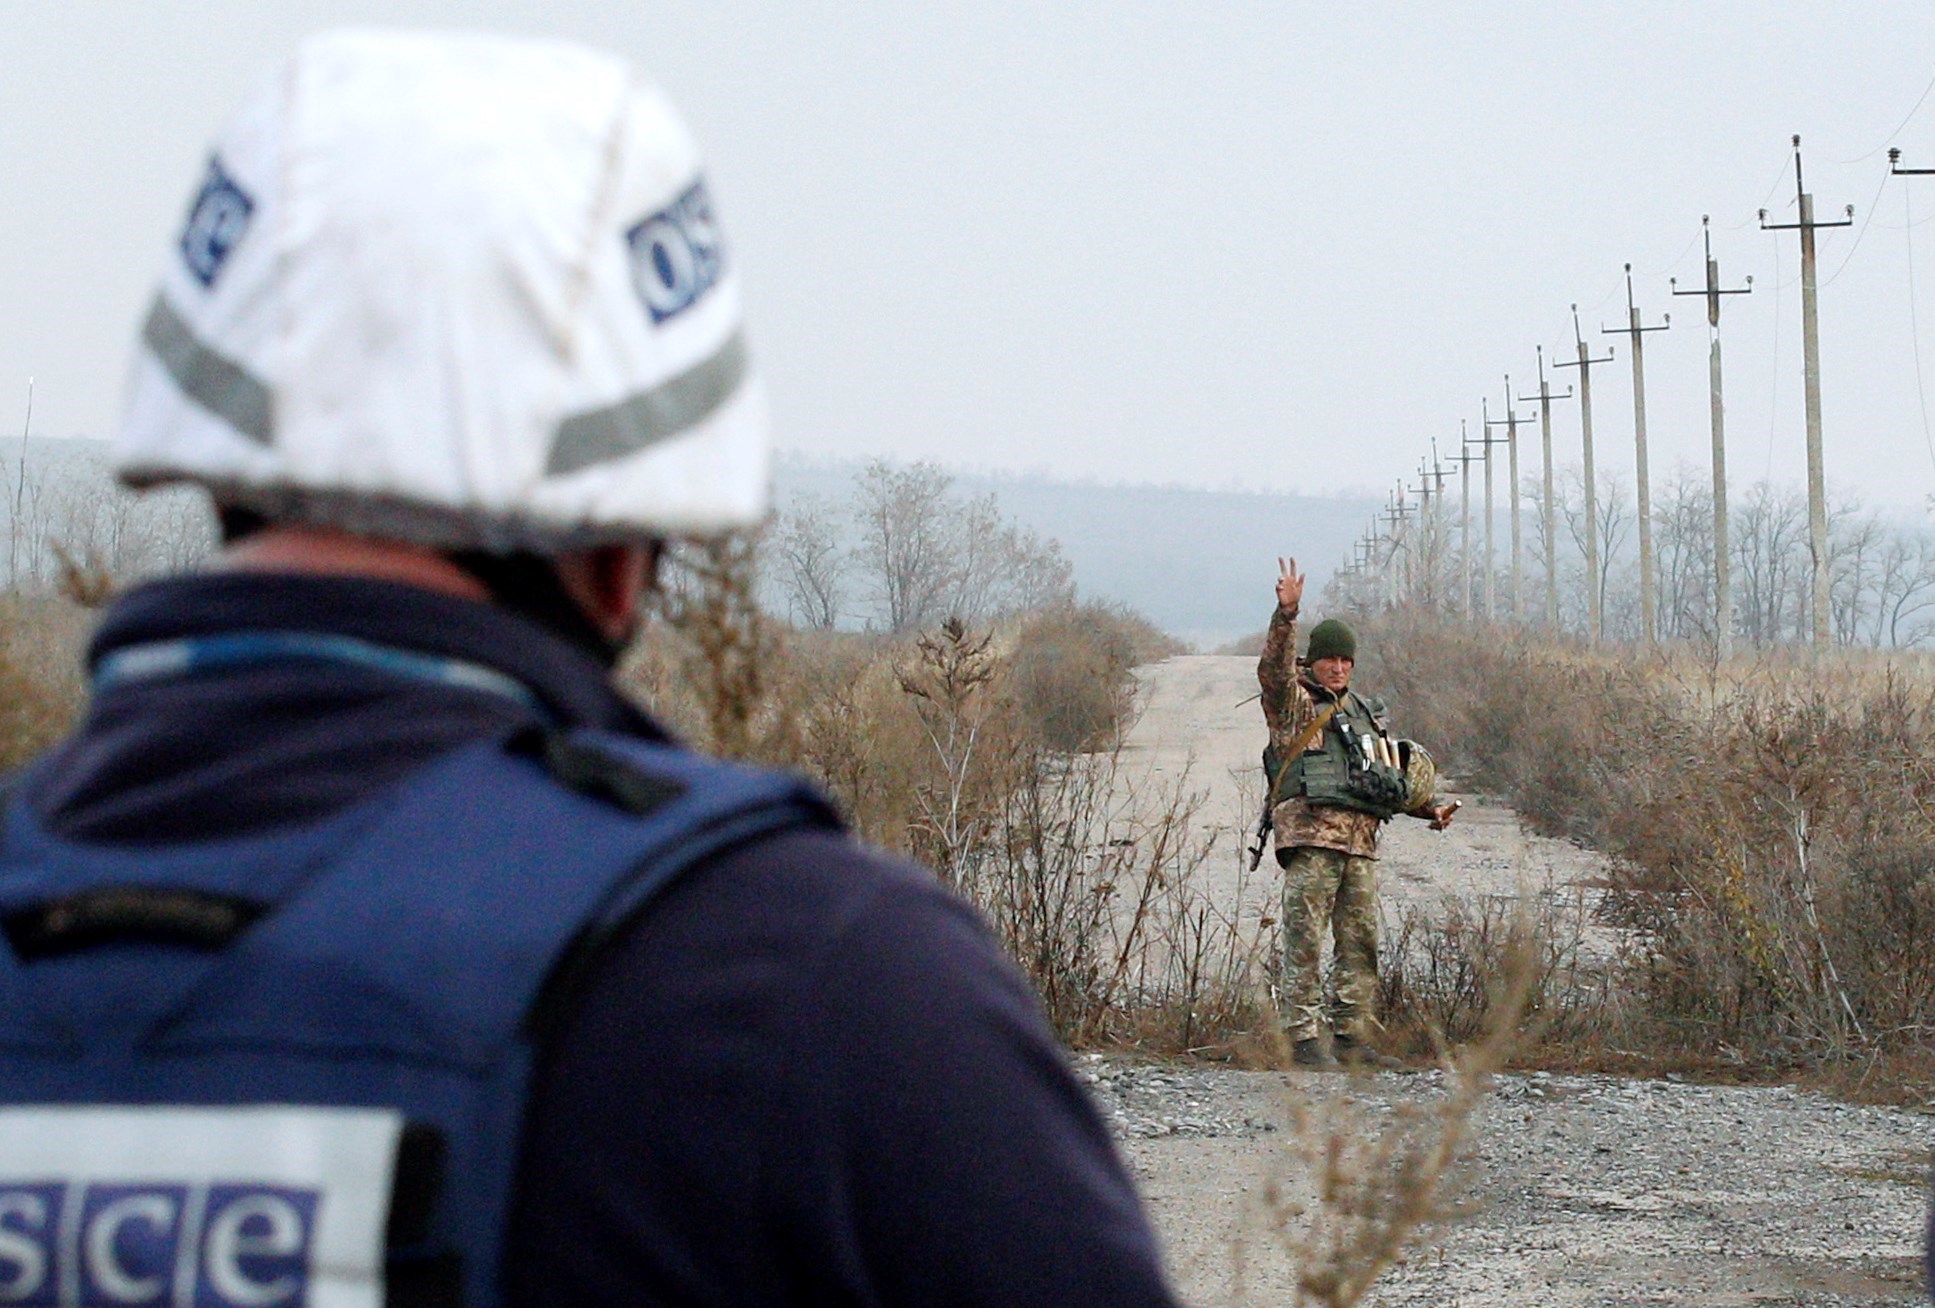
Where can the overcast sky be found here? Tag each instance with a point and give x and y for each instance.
(1276, 245)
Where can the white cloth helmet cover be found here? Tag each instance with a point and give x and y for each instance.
(458, 289)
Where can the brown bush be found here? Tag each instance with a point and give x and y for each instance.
(1068, 672)
(1769, 824)
(1442, 981)
(41, 691)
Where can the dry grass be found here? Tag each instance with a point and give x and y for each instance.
(41, 691)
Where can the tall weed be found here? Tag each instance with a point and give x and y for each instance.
(40, 686)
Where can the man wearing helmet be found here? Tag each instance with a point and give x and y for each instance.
(1335, 778)
(366, 946)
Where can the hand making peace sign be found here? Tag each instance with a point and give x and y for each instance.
(1289, 584)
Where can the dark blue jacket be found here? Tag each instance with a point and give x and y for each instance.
(805, 1075)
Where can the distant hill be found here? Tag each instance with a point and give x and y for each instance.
(1198, 563)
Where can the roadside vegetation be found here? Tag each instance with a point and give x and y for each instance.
(1771, 825)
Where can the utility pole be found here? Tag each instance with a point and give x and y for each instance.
(1545, 398)
(1373, 539)
(1510, 423)
(1398, 516)
(1491, 568)
(1595, 592)
(1648, 602)
(1811, 378)
(1722, 564)
(1465, 458)
(1418, 591)
(1431, 523)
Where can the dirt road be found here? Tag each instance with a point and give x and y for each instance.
(1582, 1190)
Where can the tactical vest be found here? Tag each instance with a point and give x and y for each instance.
(292, 1069)
(1341, 768)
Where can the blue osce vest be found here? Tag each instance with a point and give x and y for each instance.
(293, 1068)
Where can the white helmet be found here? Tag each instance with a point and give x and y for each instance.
(458, 289)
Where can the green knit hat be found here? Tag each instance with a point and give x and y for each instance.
(1331, 639)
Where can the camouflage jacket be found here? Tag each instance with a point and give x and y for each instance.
(1289, 703)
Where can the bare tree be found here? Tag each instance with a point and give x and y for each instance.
(1615, 525)
(813, 563)
(72, 514)
(906, 545)
(1683, 555)
(1905, 591)
(927, 554)
(1039, 574)
(1770, 563)
(1855, 543)
(1004, 567)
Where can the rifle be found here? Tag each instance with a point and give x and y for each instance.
(1298, 744)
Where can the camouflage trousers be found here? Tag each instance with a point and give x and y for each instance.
(1326, 890)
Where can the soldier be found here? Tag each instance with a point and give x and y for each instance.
(1335, 778)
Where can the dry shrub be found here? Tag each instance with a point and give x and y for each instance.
(1440, 977)
(712, 651)
(1069, 672)
(1769, 823)
(1093, 887)
(40, 687)
(1079, 885)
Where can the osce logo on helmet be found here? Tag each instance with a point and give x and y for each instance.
(216, 223)
(130, 1244)
(677, 254)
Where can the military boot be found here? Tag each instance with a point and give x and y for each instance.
(1311, 1053)
(1353, 1052)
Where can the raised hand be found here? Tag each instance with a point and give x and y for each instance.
(1289, 584)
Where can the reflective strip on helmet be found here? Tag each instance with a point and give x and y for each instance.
(650, 416)
(218, 384)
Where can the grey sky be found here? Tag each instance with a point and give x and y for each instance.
(1280, 245)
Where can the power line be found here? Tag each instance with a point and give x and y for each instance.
(1673, 266)
(1780, 175)
(1890, 138)
(1859, 233)
(1914, 327)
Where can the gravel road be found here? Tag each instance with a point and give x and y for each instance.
(1580, 1190)
(1577, 1190)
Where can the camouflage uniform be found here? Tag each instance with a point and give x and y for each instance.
(1327, 886)
(1329, 858)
